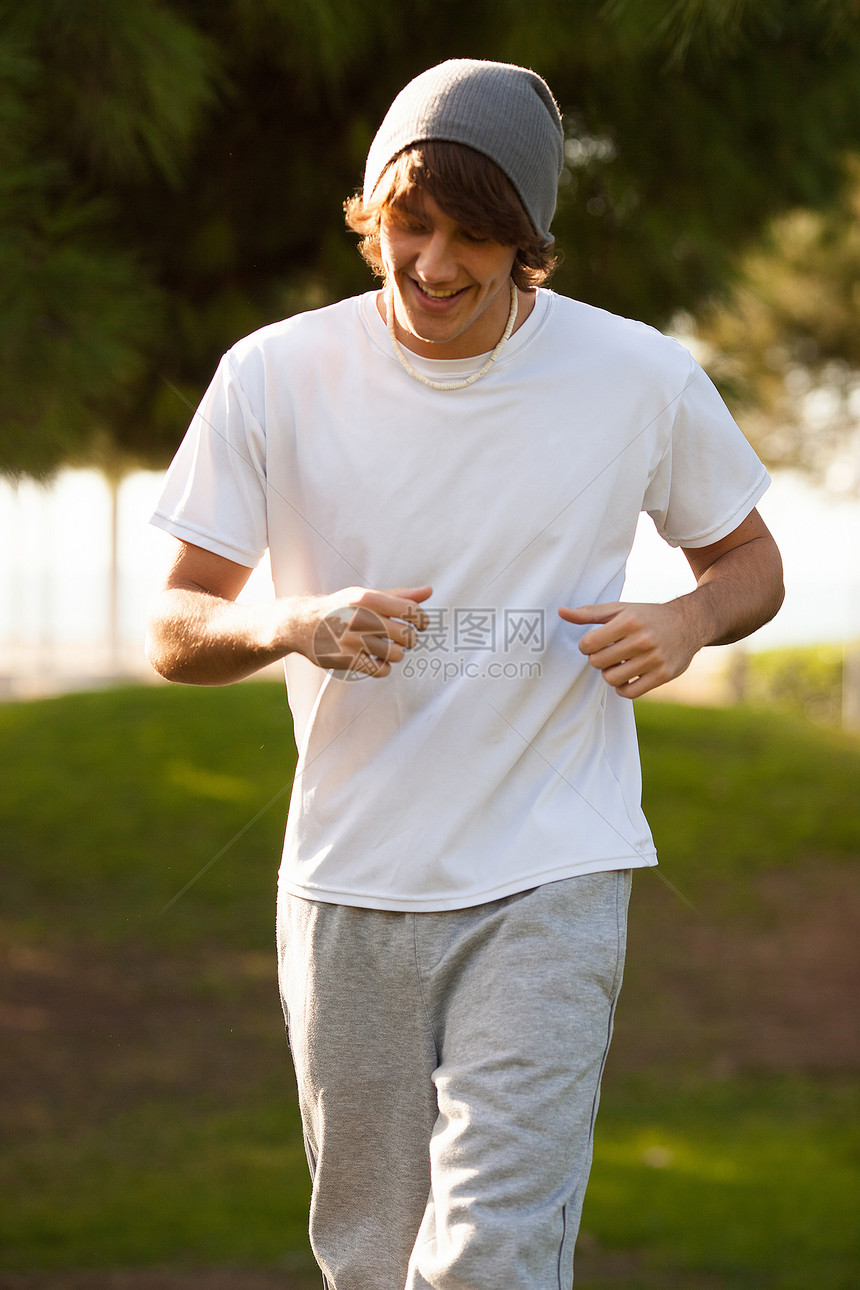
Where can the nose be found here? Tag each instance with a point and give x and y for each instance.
(435, 261)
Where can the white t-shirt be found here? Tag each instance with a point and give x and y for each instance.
(494, 758)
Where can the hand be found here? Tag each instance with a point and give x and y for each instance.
(360, 629)
(636, 647)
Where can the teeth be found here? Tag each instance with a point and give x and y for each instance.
(439, 295)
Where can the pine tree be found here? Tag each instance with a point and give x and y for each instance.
(172, 173)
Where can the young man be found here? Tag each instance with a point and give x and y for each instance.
(448, 474)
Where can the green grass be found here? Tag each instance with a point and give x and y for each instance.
(173, 1142)
(114, 801)
(750, 1180)
(733, 792)
(195, 1185)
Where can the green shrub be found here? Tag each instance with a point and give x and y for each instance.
(804, 682)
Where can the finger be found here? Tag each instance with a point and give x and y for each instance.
(409, 610)
(359, 660)
(404, 634)
(343, 650)
(380, 647)
(415, 594)
(596, 645)
(610, 644)
(603, 659)
(637, 676)
(584, 614)
(365, 624)
(368, 665)
(637, 686)
(401, 602)
(615, 643)
(635, 652)
(398, 598)
(623, 673)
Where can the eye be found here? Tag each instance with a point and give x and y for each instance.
(406, 218)
(409, 224)
(477, 239)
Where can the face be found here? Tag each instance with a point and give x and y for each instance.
(451, 288)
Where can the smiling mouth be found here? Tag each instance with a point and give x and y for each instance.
(437, 295)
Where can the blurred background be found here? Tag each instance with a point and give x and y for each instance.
(171, 177)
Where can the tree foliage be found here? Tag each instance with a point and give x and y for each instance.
(99, 101)
(172, 172)
(785, 344)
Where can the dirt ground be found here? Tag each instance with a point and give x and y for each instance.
(770, 986)
(222, 1279)
(615, 1272)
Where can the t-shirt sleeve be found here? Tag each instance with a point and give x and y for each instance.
(215, 491)
(709, 478)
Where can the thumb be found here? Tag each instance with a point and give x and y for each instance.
(418, 594)
(584, 614)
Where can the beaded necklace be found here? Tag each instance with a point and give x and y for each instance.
(469, 380)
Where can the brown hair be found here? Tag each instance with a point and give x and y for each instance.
(469, 188)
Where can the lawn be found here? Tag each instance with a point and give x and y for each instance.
(147, 1107)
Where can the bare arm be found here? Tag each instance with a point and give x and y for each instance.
(198, 635)
(738, 589)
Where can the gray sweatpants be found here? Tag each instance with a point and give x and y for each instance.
(448, 1068)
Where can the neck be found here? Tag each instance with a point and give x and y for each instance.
(469, 380)
(461, 346)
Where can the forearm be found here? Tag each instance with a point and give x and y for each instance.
(638, 647)
(735, 595)
(200, 639)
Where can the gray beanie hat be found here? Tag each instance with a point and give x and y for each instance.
(508, 113)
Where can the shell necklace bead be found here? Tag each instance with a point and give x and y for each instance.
(451, 385)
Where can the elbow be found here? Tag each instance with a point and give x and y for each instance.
(768, 579)
(178, 658)
(169, 644)
(779, 597)
(770, 598)
(166, 647)
(158, 657)
(777, 587)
